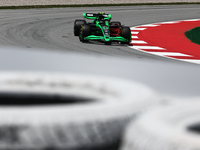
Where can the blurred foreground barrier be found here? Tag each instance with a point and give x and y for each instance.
(67, 111)
(80, 2)
(168, 127)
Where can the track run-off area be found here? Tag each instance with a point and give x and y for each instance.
(167, 39)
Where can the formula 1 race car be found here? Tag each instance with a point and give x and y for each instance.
(101, 29)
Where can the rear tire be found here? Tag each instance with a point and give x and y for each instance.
(126, 33)
(77, 26)
(84, 32)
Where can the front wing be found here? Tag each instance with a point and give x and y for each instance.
(106, 39)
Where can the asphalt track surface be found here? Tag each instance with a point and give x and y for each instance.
(52, 30)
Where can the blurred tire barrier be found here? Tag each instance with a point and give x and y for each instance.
(175, 127)
(67, 111)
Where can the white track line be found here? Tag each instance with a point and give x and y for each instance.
(191, 60)
(192, 20)
(134, 32)
(134, 37)
(138, 42)
(168, 54)
(134, 28)
(170, 22)
(146, 47)
(149, 25)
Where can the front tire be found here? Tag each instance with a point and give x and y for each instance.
(84, 32)
(126, 33)
(108, 43)
(77, 26)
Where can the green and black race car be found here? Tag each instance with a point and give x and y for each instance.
(101, 29)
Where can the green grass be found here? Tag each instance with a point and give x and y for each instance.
(194, 35)
(90, 5)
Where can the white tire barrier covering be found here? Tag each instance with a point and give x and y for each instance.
(175, 127)
(97, 123)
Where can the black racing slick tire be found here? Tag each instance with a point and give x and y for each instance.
(172, 127)
(84, 32)
(92, 115)
(126, 33)
(77, 26)
(115, 23)
(108, 43)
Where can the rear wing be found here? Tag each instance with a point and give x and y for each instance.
(96, 16)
